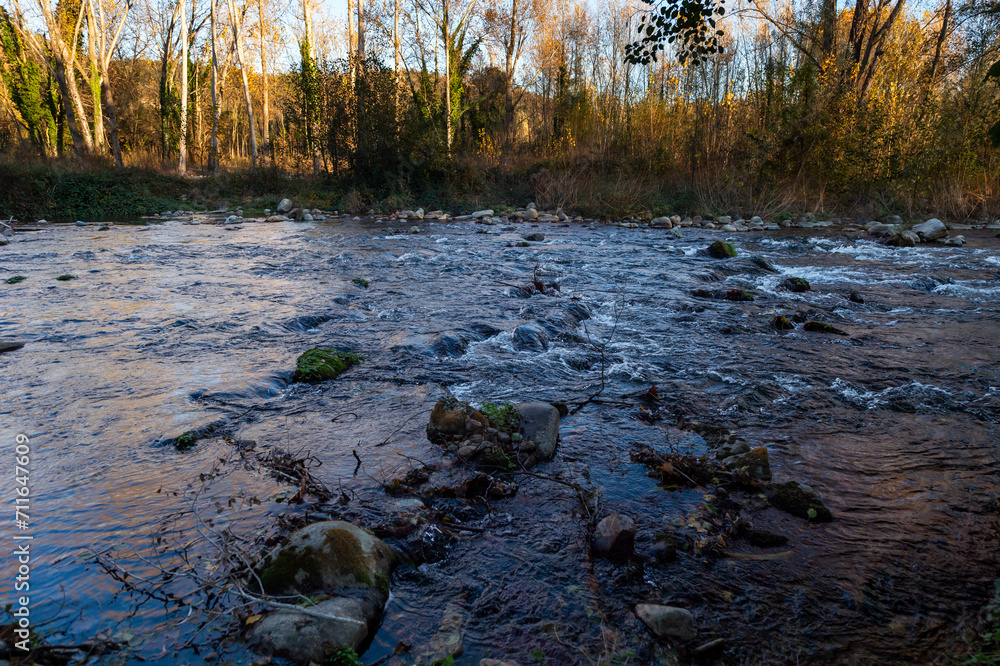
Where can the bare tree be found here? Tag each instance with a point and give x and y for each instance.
(236, 22)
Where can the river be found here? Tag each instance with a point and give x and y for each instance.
(167, 328)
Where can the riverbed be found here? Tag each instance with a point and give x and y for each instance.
(168, 328)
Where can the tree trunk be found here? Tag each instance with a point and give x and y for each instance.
(112, 112)
(266, 131)
(361, 32)
(509, 76)
(246, 84)
(310, 111)
(100, 140)
(60, 72)
(398, 57)
(182, 140)
(447, 80)
(213, 154)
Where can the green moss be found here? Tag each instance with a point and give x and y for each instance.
(502, 417)
(382, 583)
(342, 655)
(361, 282)
(283, 574)
(185, 441)
(522, 244)
(66, 278)
(16, 279)
(319, 364)
(721, 250)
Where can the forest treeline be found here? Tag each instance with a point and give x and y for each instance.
(877, 106)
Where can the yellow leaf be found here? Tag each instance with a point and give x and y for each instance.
(252, 619)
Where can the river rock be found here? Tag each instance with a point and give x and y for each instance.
(615, 536)
(931, 230)
(904, 239)
(447, 640)
(721, 250)
(667, 621)
(285, 206)
(880, 230)
(307, 639)
(540, 423)
(530, 337)
(531, 214)
(799, 500)
(795, 285)
(661, 222)
(10, 345)
(893, 219)
(536, 236)
(725, 219)
(276, 218)
(448, 420)
(754, 462)
(482, 213)
(327, 556)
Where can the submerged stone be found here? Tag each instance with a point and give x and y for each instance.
(820, 327)
(782, 323)
(667, 621)
(321, 364)
(540, 423)
(615, 536)
(798, 500)
(795, 284)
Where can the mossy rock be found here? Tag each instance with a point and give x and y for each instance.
(16, 279)
(66, 278)
(738, 295)
(798, 500)
(721, 250)
(329, 556)
(321, 364)
(187, 440)
(820, 327)
(855, 297)
(796, 285)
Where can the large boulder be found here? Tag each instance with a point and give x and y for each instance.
(540, 424)
(448, 420)
(615, 536)
(328, 556)
(667, 621)
(285, 206)
(306, 639)
(931, 230)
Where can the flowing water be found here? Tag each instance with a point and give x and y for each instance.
(169, 328)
